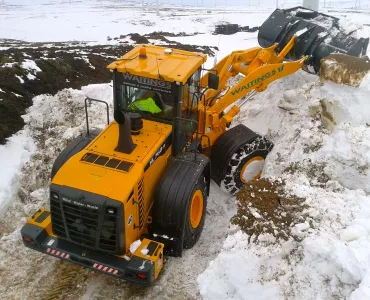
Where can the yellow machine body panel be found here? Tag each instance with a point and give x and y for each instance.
(145, 142)
(131, 187)
(171, 65)
(107, 181)
(152, 254)
(44, 222)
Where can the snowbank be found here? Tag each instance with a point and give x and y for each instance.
(13, 155)
(47, 112)
(327, 165)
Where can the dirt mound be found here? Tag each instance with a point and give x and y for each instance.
(264, 208)
(61, 67)
(161, 36)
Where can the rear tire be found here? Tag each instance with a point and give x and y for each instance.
(180, 203)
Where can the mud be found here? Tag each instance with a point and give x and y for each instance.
(344, 69)
(264, 208)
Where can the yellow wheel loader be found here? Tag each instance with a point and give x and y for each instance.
(123, 197)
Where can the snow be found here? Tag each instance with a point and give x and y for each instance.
(162, 236)
(94, 21)
(19, 148)
(17, 95)
(20, 78)
(327, 256)
(225, 43)
(228, 275)
(365, 83)
(144, 251)
(13, 155)
(352, 233)
(300, 32)
(133, 247)
(30, 76)
(30, 65)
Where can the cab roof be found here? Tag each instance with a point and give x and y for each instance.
(160, 63)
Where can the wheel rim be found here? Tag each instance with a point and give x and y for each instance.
(252, 169)
(196, 209)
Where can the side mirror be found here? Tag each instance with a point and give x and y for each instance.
(213, 81)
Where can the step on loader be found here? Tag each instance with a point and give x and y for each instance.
(123, 197)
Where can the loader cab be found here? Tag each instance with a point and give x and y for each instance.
(153, 99)
(162, 85)
(157, 100)
(159, 83)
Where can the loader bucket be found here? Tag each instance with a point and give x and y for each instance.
(317, 35)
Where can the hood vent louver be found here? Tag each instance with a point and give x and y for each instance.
(113, 163)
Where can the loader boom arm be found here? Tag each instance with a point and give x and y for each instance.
(260, 67)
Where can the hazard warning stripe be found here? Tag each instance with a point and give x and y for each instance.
(105, 268)
(57, 253)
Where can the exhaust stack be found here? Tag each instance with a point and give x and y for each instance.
(125, 143)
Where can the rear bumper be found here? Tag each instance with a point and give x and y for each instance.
(135, 269)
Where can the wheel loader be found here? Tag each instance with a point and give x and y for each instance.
(122, 198)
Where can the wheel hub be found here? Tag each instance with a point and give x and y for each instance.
(252, 169)
(196, 209)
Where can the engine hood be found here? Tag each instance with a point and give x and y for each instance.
(112, 183)
(101, 170)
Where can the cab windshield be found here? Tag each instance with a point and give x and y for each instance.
(145, 101)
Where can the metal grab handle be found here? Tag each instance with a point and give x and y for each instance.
(87, 99)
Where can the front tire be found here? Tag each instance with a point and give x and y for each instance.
(238, 157)
(246, 164)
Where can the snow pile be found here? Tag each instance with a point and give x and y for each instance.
(32, 68)
(53, 120)
(226, 277)
(51, 123)
(328, 165)
(133, 247)
(13, 155)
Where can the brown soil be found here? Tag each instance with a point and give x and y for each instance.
(60, 68)
(344, 69)
(160, 35)
(264, 208)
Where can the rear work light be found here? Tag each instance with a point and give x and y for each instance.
(27, 239)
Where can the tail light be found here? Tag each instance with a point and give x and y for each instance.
(27, 239)
(141, 276)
